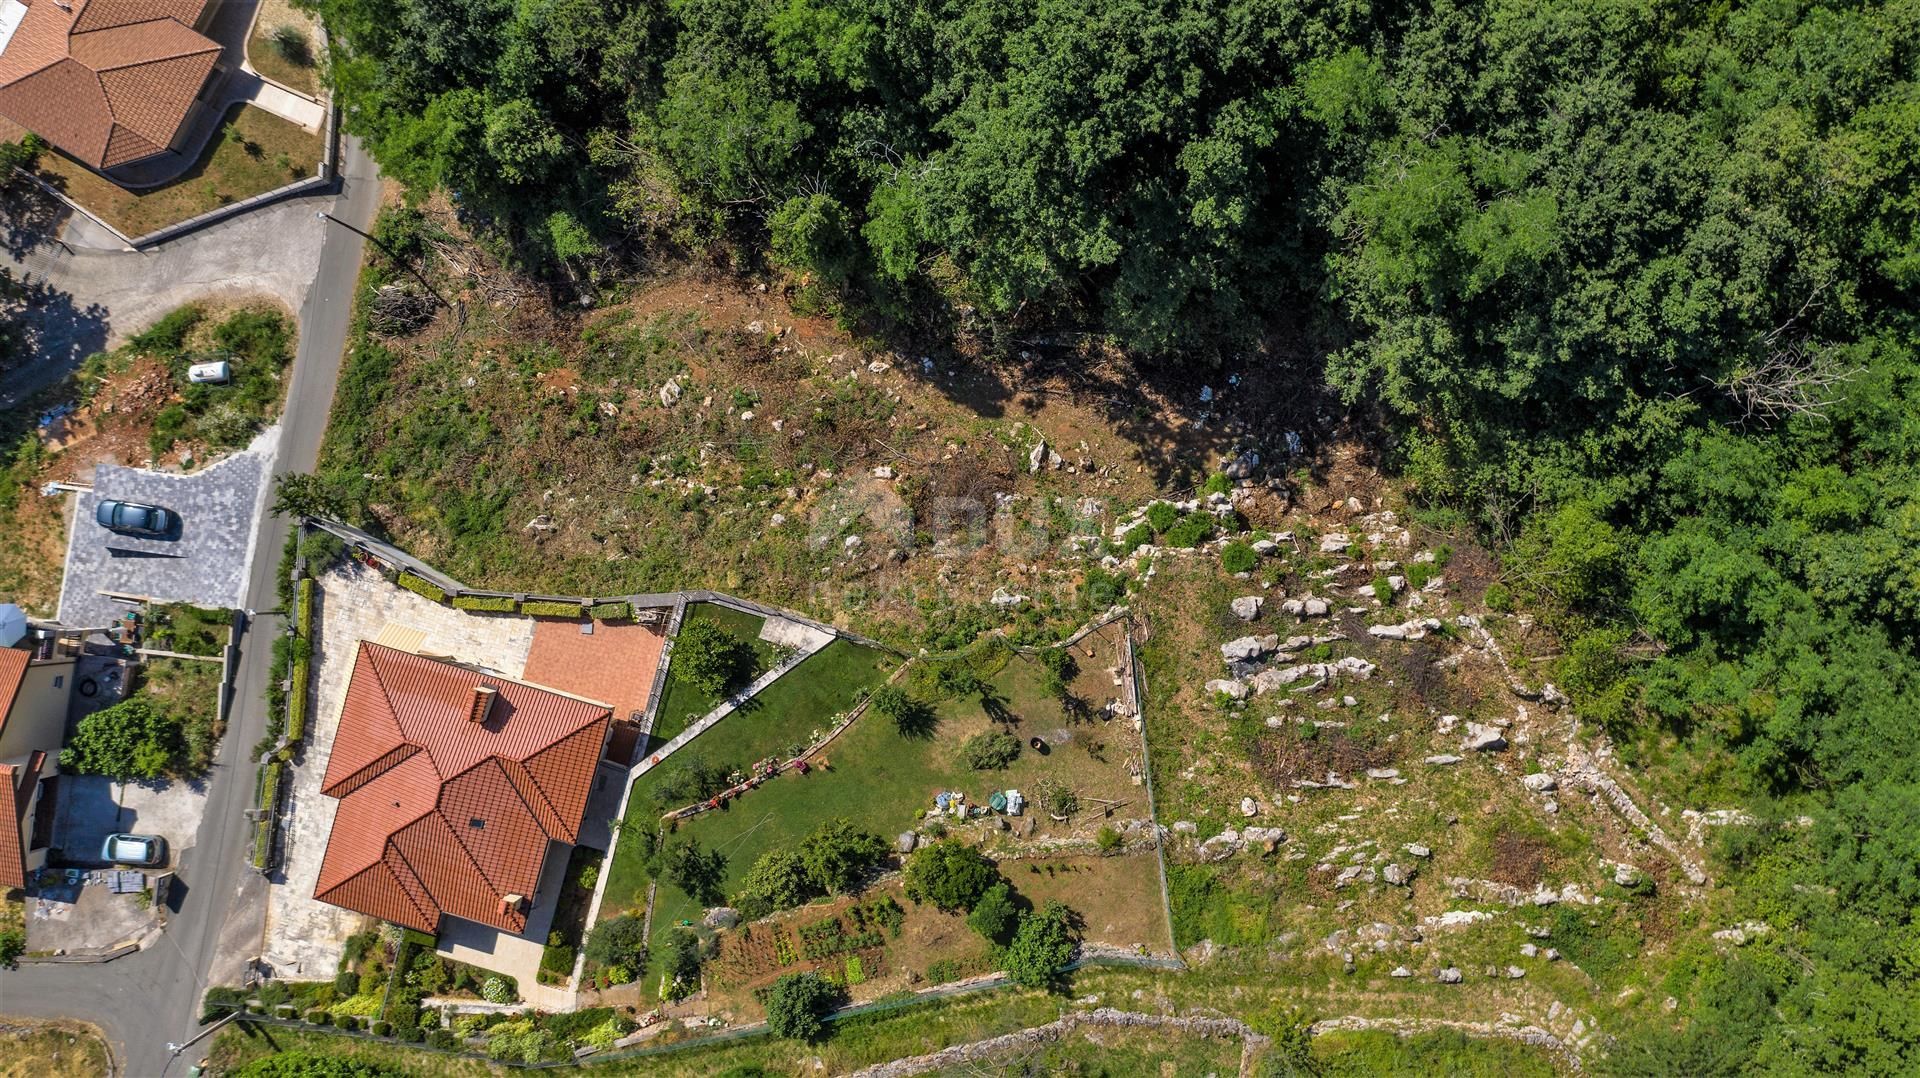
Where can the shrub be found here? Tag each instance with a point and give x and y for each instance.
(1238, 557)
(442, 1038)
(286, 1011)
(1161, 516)
(347, 1022)
(382, 1028)
(621, 941)
(221, 1001)
(495, 604)
(777, 881)
(708, 657)
(318, 1017)
(275, 993)
(346, 983)
(411, 1034)
(421, 586)
(1499, 598)
(995, 916)
(1136, 537)
(990, 751)
(1108, 839)
(1192, 530)
(611, 611)
(132, 739)
(1383, 590)
(1041, 948)
(798, 1005)
(497, 990)
(292, 44)
(302, 663)
(950, 874)
(837, 856)
(1217, 483)
(545, 608)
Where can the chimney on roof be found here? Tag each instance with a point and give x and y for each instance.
(511, 903)
(483, 697)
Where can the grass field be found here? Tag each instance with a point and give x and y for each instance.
(681, 703)
(782, 716)
(188, 691)
(298, 69)
(30, 1049)
(254, 151)
(883, 780)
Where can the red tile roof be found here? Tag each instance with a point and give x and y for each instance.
(615, 663)
(440, 814)
(16, 793)
(13, 671)
(108, 81)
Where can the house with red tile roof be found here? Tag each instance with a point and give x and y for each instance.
(109, 82)
(34, 685)
(453, 785)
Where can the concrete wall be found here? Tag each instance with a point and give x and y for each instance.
(38, 719)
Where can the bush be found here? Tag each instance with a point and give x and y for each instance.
(302, 663)
(545, 608)
(708, 657)
(1161, 517)
(1499, 598)
(318, 1017)
(1135, 537)
(1238, 557)
(1108, 839)
(1192, 530)
(1041, 948)
(1217, 483)
(275, 993)
(346, 983)
(950, 874)
(621, 941)
(422, 586)
(498, 990)
(132, 739)
(798, 1005)
(995, 915)
(411, 1034)
(221, 1001)
(777, 881)
(291, 43)
(837, 856)
(347, 1022)
(442, 1038)
(990, 751)
(13, 944)
(611, 611)
(285, 1012)
(382, 1028)
(493, 604)
(1383, 590)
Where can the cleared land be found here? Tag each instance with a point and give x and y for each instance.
(253, 151)
(294, 62)
(34, 1049)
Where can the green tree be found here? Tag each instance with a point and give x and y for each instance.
(708, 657)
(695, 870)
(777, 881)
(950, 874)
(798, 1004)
(910, 716)
(837, 855)
(621, 941)
(994, 915)
(1041, 947)
(132, 739)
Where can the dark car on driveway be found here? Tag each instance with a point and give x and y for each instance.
(134, 518)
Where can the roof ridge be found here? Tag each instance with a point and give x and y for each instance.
(519, 769)
(454, 832)
(146, 61)
(405, 891)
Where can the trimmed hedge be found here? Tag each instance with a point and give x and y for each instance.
(302, 662)
(285, 1010)
(270, 777)
(420, 585)
(543, 609)
(382, 1028)
(495, 604)
(611, 611)
(442, 1038)
(317, 1017)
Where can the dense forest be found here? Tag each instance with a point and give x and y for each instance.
(1633, 287)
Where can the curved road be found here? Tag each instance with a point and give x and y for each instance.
(149, 999)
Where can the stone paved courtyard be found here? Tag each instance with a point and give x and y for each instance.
(356, 603)
(206, 564)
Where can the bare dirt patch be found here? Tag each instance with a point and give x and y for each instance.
(1518, 860)
(1311, 754)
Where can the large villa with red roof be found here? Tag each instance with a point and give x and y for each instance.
(454, 788)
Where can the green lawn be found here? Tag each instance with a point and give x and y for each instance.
(681, 703)
(779, 718)
(878, 778)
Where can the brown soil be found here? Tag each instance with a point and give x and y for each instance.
(1518, 860)
(1289, 754)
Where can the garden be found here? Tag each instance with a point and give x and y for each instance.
(718, 650)
(968, 724)
(168, 727)
(253, 152)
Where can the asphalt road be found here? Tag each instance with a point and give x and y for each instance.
(148, 999)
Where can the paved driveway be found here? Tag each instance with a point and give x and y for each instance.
(205, 564)
(93, 807)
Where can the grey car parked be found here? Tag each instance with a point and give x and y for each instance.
(134, 517)
(124, 849)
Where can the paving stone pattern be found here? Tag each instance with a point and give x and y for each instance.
(205, 564)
